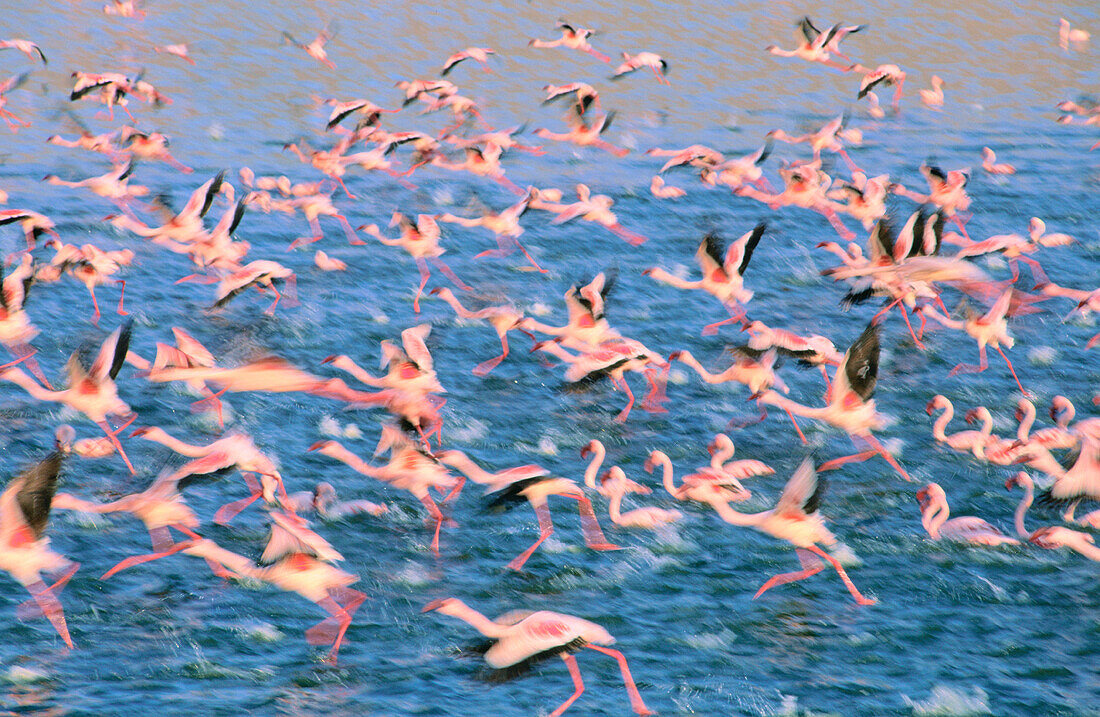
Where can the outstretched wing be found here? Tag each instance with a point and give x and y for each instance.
(858, 371)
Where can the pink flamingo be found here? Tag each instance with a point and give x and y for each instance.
(1051, 536)
(704, 486)
(27, 47)
(522, 638)
(851, 407)
(723, 273)
(586, 135)
(795, 518)
(817, 46)
(653, 61)
(536, 487)
(596, 208)
(24, 549)
(616, 484)
(315, 48)
(721, 450)
(502, 318)
(505, 225)
(989, 329)
(963, 441)
(408, 469)
(990, 164)
(477, 54)
(967, 529)
(598, 451)
(887, 75)
(421, 241)
(573, 38)
(92, 392)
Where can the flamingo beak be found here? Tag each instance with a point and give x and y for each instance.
(433, 605)
(928, 409)
(140, 431)
(318, 445)
(328, 359)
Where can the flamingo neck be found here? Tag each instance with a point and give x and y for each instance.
(475, 619)
(666, 475)
(467, 466)
(939, 429)
(184, 449)
(21, 379)
(1021, 509)
(614, 509)
(1066, 415)
(721, 456)
(594, 466)
(733, 517)
(934, 518)
(1026, 422)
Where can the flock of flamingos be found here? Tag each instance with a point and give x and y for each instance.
(912, 263)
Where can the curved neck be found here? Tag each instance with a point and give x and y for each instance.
(1021, 509)
(451, 299)
(939, 430)
(731, 516)
(594, 464)
(662, 460)
(1026, 422)
(1065, 415)
(614, 508)
(934, 517)
(718, 459)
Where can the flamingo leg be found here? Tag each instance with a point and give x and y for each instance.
(631, 238)
(855, 458)
(50, 606)
(636, 702)
(881, 450)
(844, 576)
(121, 297)
(343, 186)
(456, 490)
(486, 366)
(112, 436)
(905, 315)
(529, 257)
(546, 529)
(656, 396)
(442, 266)
(213, 397)
(885, 309)
(139, 559)
(1018, 384)
(795, 423)
(230, 510)
(971, 368)
(621, 418)
(1036, 271)
(578, 684)
(712, 329)
(95, 305)
(590, 527)
(810, 566)
(437, 516)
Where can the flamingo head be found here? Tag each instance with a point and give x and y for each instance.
(144, 430)
(1020, 480)
(64, 437)
(321, 445)
(443, 605)
(588, 449)
(936, 403)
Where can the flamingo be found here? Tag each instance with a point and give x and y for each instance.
(851, 407)
(324, 501)
(1081, 481)
(33, 224)
(315, 48)
(704, 486)
(91, 266)
(573, 38)
(297, 560)
(236, 450)
(933, 99)
(596, 208)
(795, 518)
(477, 54)
(24, 548)
(586, 135)
(963, 441)
(815, 45)
(27, 47)
(723, 272)
(585, 95)
(536, 486)
(180, 50)
(1068, 34)
(653, 61)
(721, 450)
(421, 241)
(1051, 536)
(990, 164)
(522, 638)
(92, 392)
(596, 449)
(887, 75)
(989, 329)
(658, 189)
(505, 225)
(408, 469)
(967, 529)
(159, 507)
(615, 483)
(502, 318)
(825, 138)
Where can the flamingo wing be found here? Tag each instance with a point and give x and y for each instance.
(803, 492)
(858, 371)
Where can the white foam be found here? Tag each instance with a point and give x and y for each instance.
(951, 701)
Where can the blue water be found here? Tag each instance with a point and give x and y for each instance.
(956, 630)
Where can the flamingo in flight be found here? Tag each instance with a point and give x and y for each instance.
(92, 391)
(851, 407)
(24, 548)
(502, 318)
(967, 529)
(314, 48)
(534, 485)
(573, 38)
(477, 54)
(816, 45)
(795, 518)
(522, 638)
(653, 61)
(723, 273)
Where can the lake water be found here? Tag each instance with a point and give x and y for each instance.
(957, 630)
